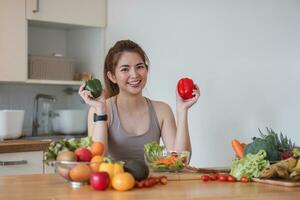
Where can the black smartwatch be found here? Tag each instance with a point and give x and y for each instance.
(100, 117)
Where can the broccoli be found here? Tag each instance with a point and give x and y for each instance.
(268, 144)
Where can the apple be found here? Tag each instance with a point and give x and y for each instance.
(83, 154)
(99, 180)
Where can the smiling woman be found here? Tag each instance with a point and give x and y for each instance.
(131, 119)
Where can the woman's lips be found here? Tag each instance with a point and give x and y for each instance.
(134, 83)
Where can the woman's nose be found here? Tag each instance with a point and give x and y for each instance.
(133, 72)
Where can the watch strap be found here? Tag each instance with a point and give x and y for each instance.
(100, 117)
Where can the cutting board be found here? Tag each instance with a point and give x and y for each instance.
(178, 176)
(277, 182)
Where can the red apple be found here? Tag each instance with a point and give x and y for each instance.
(83, 154)
(99, 180)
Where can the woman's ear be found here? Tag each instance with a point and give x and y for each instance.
(111, 77)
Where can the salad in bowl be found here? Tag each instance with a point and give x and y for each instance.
(160, 159)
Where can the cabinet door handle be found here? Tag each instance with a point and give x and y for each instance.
(14, 162)
(37, 8)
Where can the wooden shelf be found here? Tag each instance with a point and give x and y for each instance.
(53, 82)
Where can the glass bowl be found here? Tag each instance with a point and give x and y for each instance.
(168, 161)
(76, 173)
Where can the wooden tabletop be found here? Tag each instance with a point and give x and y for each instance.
(53, 187)
(11, 146)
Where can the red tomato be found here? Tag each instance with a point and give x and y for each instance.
(205, 178)
(223, 177)
(244, 179)
(99, 180)
(185, 88)
(231, 178)
(213, 177)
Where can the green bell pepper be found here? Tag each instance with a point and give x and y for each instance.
(94, 86)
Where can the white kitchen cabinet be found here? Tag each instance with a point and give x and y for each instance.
(21, 163)
(77, 12)
(13, 49)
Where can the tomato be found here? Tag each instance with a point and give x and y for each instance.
(244, 179)
(163, 180)
(213, 177)
(231, 178)
(223, 177)
(174, 154)
(185, 87)
(205, 178)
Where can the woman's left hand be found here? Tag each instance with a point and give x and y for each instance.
(186, 104)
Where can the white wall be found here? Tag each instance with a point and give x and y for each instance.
(243, 54)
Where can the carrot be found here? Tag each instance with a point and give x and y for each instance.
(238, 148)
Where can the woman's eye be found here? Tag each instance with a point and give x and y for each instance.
(140, 66)
(124, 69)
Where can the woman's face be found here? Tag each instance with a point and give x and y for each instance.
(130, 73)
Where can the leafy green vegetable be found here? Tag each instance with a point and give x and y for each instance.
(65, 144)
(249, 166)
(282, 142)
(268, 144)
(153, 151)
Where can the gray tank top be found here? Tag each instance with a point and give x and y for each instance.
(125, 146)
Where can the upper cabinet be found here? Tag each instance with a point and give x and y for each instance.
(13, 48)
(72, 30)
(77, 12)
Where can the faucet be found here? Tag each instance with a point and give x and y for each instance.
(35, 123)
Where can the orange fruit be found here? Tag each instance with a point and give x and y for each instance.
(123, 181)
(97, 148)
(80, 173)
(95, 163)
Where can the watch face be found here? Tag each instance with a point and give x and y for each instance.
(100, 117)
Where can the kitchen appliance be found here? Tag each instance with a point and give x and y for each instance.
(11, 123)
(68, 121)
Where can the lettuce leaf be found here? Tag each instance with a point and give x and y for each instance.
(249, 166)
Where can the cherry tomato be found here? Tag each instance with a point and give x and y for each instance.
(231, 178)
(213, 177)
(205, 178)
(174, 154)
(163, 180)
(244, 179)
(223, 177)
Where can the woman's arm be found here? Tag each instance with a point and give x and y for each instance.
(98, 130)
(178, 138)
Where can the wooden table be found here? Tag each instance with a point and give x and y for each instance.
(53, 187)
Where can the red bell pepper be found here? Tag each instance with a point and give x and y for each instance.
(185, 87)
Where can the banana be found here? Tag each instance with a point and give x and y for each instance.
(268, 172)
(282, 172)
(289, 163)
(280, 169)
(297, 166)
(295, 175)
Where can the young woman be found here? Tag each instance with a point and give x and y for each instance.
(123, 119)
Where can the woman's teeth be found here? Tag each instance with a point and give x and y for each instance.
(134, 83)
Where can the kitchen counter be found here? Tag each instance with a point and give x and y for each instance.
(21, 145)
(51, 186)
(33, 143)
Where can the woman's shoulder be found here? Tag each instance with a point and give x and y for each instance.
(160, 106)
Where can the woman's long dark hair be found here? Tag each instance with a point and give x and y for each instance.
(112, 59)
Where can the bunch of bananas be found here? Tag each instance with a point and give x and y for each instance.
(288, 169)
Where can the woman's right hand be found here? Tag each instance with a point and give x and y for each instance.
(97, 103)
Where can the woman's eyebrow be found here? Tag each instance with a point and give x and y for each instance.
(124, 66)
(141, 63)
